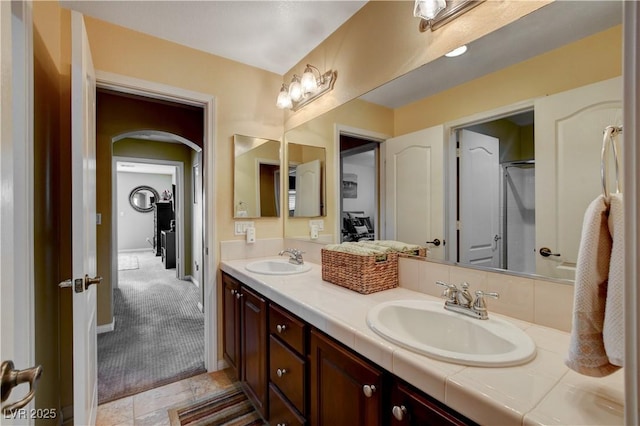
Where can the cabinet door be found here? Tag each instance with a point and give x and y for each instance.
(231, 322)
(410, 407)
(254, 348)
(345, 389)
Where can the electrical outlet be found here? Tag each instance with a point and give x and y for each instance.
(318, 222)
(241, 227)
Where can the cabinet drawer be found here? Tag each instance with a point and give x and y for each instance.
(287, 327)
(286, 371)
(280, 412)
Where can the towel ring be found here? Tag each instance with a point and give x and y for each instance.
(609, 133)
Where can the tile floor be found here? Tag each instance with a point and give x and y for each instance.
(150, 407)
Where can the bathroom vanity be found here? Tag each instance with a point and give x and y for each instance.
(316, 361)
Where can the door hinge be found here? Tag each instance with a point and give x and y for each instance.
(458, 225)
(458, 152)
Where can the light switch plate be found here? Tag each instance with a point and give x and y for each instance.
(241, 227)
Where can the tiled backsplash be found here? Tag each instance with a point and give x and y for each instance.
(542, 302)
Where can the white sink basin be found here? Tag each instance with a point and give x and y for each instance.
(426, 327)
(276, 267)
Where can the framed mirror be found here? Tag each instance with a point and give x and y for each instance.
(256, 177)
(142, 198)
(502, 91)
(306, 180)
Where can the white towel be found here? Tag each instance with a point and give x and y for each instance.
(613, 332)
(586, 349)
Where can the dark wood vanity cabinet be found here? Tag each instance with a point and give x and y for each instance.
(297, 375)
(254, 348)
(345, 388)
(409, 406)
(231, 323)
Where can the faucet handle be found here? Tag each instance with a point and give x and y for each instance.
(450, 291)
(480, 304)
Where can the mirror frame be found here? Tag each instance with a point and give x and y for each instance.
(137, 189)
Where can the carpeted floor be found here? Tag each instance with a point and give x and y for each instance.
(159, 332)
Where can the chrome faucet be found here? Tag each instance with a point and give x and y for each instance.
(295, 256)
(461, 300)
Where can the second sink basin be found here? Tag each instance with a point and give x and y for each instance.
(426, 327)
(276, 267)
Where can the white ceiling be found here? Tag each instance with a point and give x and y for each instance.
(149, 168)
(271, 35)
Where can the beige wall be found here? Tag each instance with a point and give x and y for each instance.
(382, 42)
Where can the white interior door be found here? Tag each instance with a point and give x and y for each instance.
(83, 172)
(308, 189)
(479, 205)
(414, 189)
(569, 128)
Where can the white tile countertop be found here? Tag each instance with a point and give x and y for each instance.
(542, 391)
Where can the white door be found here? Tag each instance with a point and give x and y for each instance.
(479, 205)
(308, 187)
(83, 172)
(414, 189)
(569, 128)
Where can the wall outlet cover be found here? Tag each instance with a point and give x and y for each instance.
(241, 227)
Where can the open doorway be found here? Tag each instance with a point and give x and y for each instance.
(359, 189)
(496, 193)
(157, 332)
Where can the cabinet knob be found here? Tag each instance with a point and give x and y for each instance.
(368, 390)
(282, 424)
(399, 412)
(281, 328)
(281, 372)
(233, 291)
(238, 295)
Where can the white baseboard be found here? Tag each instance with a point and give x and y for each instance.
(193, 280)
(222, 364)
(201, 307)
(105, 328)
(136, 250)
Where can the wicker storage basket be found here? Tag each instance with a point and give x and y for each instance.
(364, 274)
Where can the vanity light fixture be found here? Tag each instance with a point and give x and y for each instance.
(436, 13)
(305, 89)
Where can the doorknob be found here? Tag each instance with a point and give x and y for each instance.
(546, 252)
(435, 242)
(12, 378)
(89, 281)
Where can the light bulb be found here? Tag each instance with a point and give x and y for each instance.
(295, 89)
(309, 82)
(428, 9)
(284, 100)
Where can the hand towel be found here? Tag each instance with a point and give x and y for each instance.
(586, 348)
(613, 332)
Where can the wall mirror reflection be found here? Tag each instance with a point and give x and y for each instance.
(305, 184)
(256, 177)
(142, 198)
(532, 118)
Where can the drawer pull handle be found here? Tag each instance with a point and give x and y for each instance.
(368, 390)
(281, 372)
(399, 412)
(281, 328)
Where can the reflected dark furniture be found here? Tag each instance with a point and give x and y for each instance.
(168, 248)
(357, 227)
(162, 217)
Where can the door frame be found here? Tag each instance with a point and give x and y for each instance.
(179, 206)
(380, 138)
(450, 161)
(17, 245)
(131, 85)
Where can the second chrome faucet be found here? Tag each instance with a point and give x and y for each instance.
(460, 300)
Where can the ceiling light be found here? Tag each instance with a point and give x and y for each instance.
(457, 51)
(428, 9)
(303, 90)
